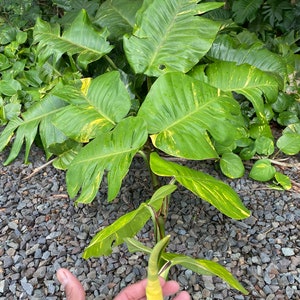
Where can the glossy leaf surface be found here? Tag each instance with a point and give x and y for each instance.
(169, 36)
(80, 38)
(214, 191)
(112, 152)
(232, 165)
(181, 112)
(227, 48)
(37, 118)
(199, 266)
(247, 80)
(95, 110)
(283, 180)
(289, 142)
(126, 226)
(118, 16)
(262, 170)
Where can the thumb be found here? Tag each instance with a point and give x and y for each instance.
(73, 288)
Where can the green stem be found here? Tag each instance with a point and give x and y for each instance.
(164, 210)
(111, 63)
(149, 83)
(154, 178)
(158, 225)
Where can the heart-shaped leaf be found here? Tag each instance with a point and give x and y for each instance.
(232, 165)
(262, 170)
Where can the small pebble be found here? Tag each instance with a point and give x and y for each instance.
(3, 286)
(28, 288)
(288, 251)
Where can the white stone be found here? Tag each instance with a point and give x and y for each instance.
(288, 251)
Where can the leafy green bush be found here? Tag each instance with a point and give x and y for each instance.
(155, 79)
(23, 13)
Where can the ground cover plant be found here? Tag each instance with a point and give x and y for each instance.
(103, 81)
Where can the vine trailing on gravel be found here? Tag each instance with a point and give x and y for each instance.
(156, 79)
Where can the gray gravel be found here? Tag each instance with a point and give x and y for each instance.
(41, 230)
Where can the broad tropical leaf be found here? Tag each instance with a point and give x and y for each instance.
(169, 36)
(73, 7)
(118, 16)
(247, 80)
(95, 109)
(214, 191)
(180, 111)
(81, 38)
(25, 128)
(9, 87)
(226, 48)
(112, 152)
(126, 226)
(205, 267)
(245, 10)
(65, 152)
(199, 266)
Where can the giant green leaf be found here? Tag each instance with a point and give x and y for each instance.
(96, 111)
(38, 116)
(112, 152)
(118, 16)
(247, 80)
(180, 111)
(214, 191)
(169, 36)
(81, 39)
(126, 226)
(227, 48)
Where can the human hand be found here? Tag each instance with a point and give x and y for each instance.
(136, 291)
(71, 285)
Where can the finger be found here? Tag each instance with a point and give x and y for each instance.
(134, 291)
(71, 285)
(183, 296)
(169, 287)
(138, 290)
